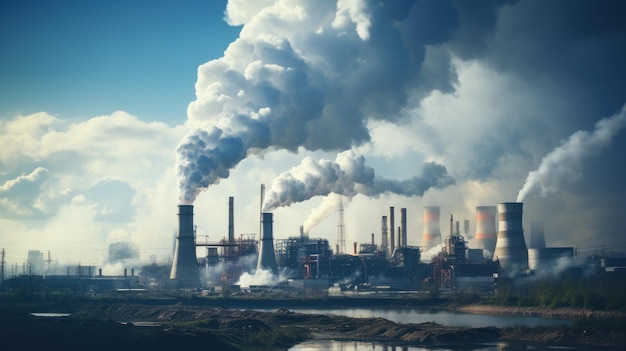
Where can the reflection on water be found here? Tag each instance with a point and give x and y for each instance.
(48, 314)
(443, 317)
(334, 345)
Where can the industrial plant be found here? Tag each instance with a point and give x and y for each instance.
(304, 265)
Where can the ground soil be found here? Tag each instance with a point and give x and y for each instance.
(138, 324)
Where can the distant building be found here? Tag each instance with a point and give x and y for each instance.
(34, 265)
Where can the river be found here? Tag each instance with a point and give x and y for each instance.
(422, 315)
(443, 317)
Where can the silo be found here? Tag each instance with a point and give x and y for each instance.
(511, 248)
(486, 234)
(267, 258)
(537, 237)
(431, 236)
(185, 264)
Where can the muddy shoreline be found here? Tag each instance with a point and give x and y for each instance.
(138, 324)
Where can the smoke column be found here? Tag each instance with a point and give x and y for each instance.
(348, 176)
(329, 205)
(299, 77)
(563, 162)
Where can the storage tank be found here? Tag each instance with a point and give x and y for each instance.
(550, 260)
(511, 248)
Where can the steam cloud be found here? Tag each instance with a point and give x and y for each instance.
(563, 163)
(300, 76)
(348, 176)
(329, 205)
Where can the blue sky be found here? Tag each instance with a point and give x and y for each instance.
(78, 59)
(114, 112)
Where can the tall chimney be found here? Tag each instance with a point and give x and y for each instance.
(231, 220)
(511, 248)
(403, 226)
(384, 236)
(431, 236)
(267, 258)
(392, 246)
(185, 265)
(537, 237)
(486, 234)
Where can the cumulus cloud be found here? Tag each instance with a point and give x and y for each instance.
(84, 179)
(19, 196)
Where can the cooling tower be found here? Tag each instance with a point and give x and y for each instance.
(432, 232)
(537, 238)
(511, 248)
(267, 259)
(486, 234)
(403, 227)
(185, 265)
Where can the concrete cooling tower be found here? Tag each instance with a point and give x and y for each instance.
(267, 258)
(511, 248)
(537, 237)
(431, 236)
(185, 265)
(486, 234)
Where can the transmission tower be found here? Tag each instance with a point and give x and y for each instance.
(341, 230)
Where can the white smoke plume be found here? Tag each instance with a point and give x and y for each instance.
(563, 163)
(329, 205)
(348, 176)
(299, 76)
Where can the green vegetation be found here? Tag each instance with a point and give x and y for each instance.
(594, 292)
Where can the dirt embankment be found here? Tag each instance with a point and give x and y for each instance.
(138, 326)
(561, 313)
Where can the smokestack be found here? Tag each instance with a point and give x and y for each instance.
(403, 226)
(466, 228)
(354, 247)
(267, 258)
(486, 234)
(511, 248)
(373, 243)
(391, 231)
(261, 210)
(431, 236)
(537, 238)
(185, 265)
(231, 220)
(384, 235)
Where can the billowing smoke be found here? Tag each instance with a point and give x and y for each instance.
(348, 176)
(301, 75)
(122, 251)
(207, 155)
(563, 163)
(328, 205)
